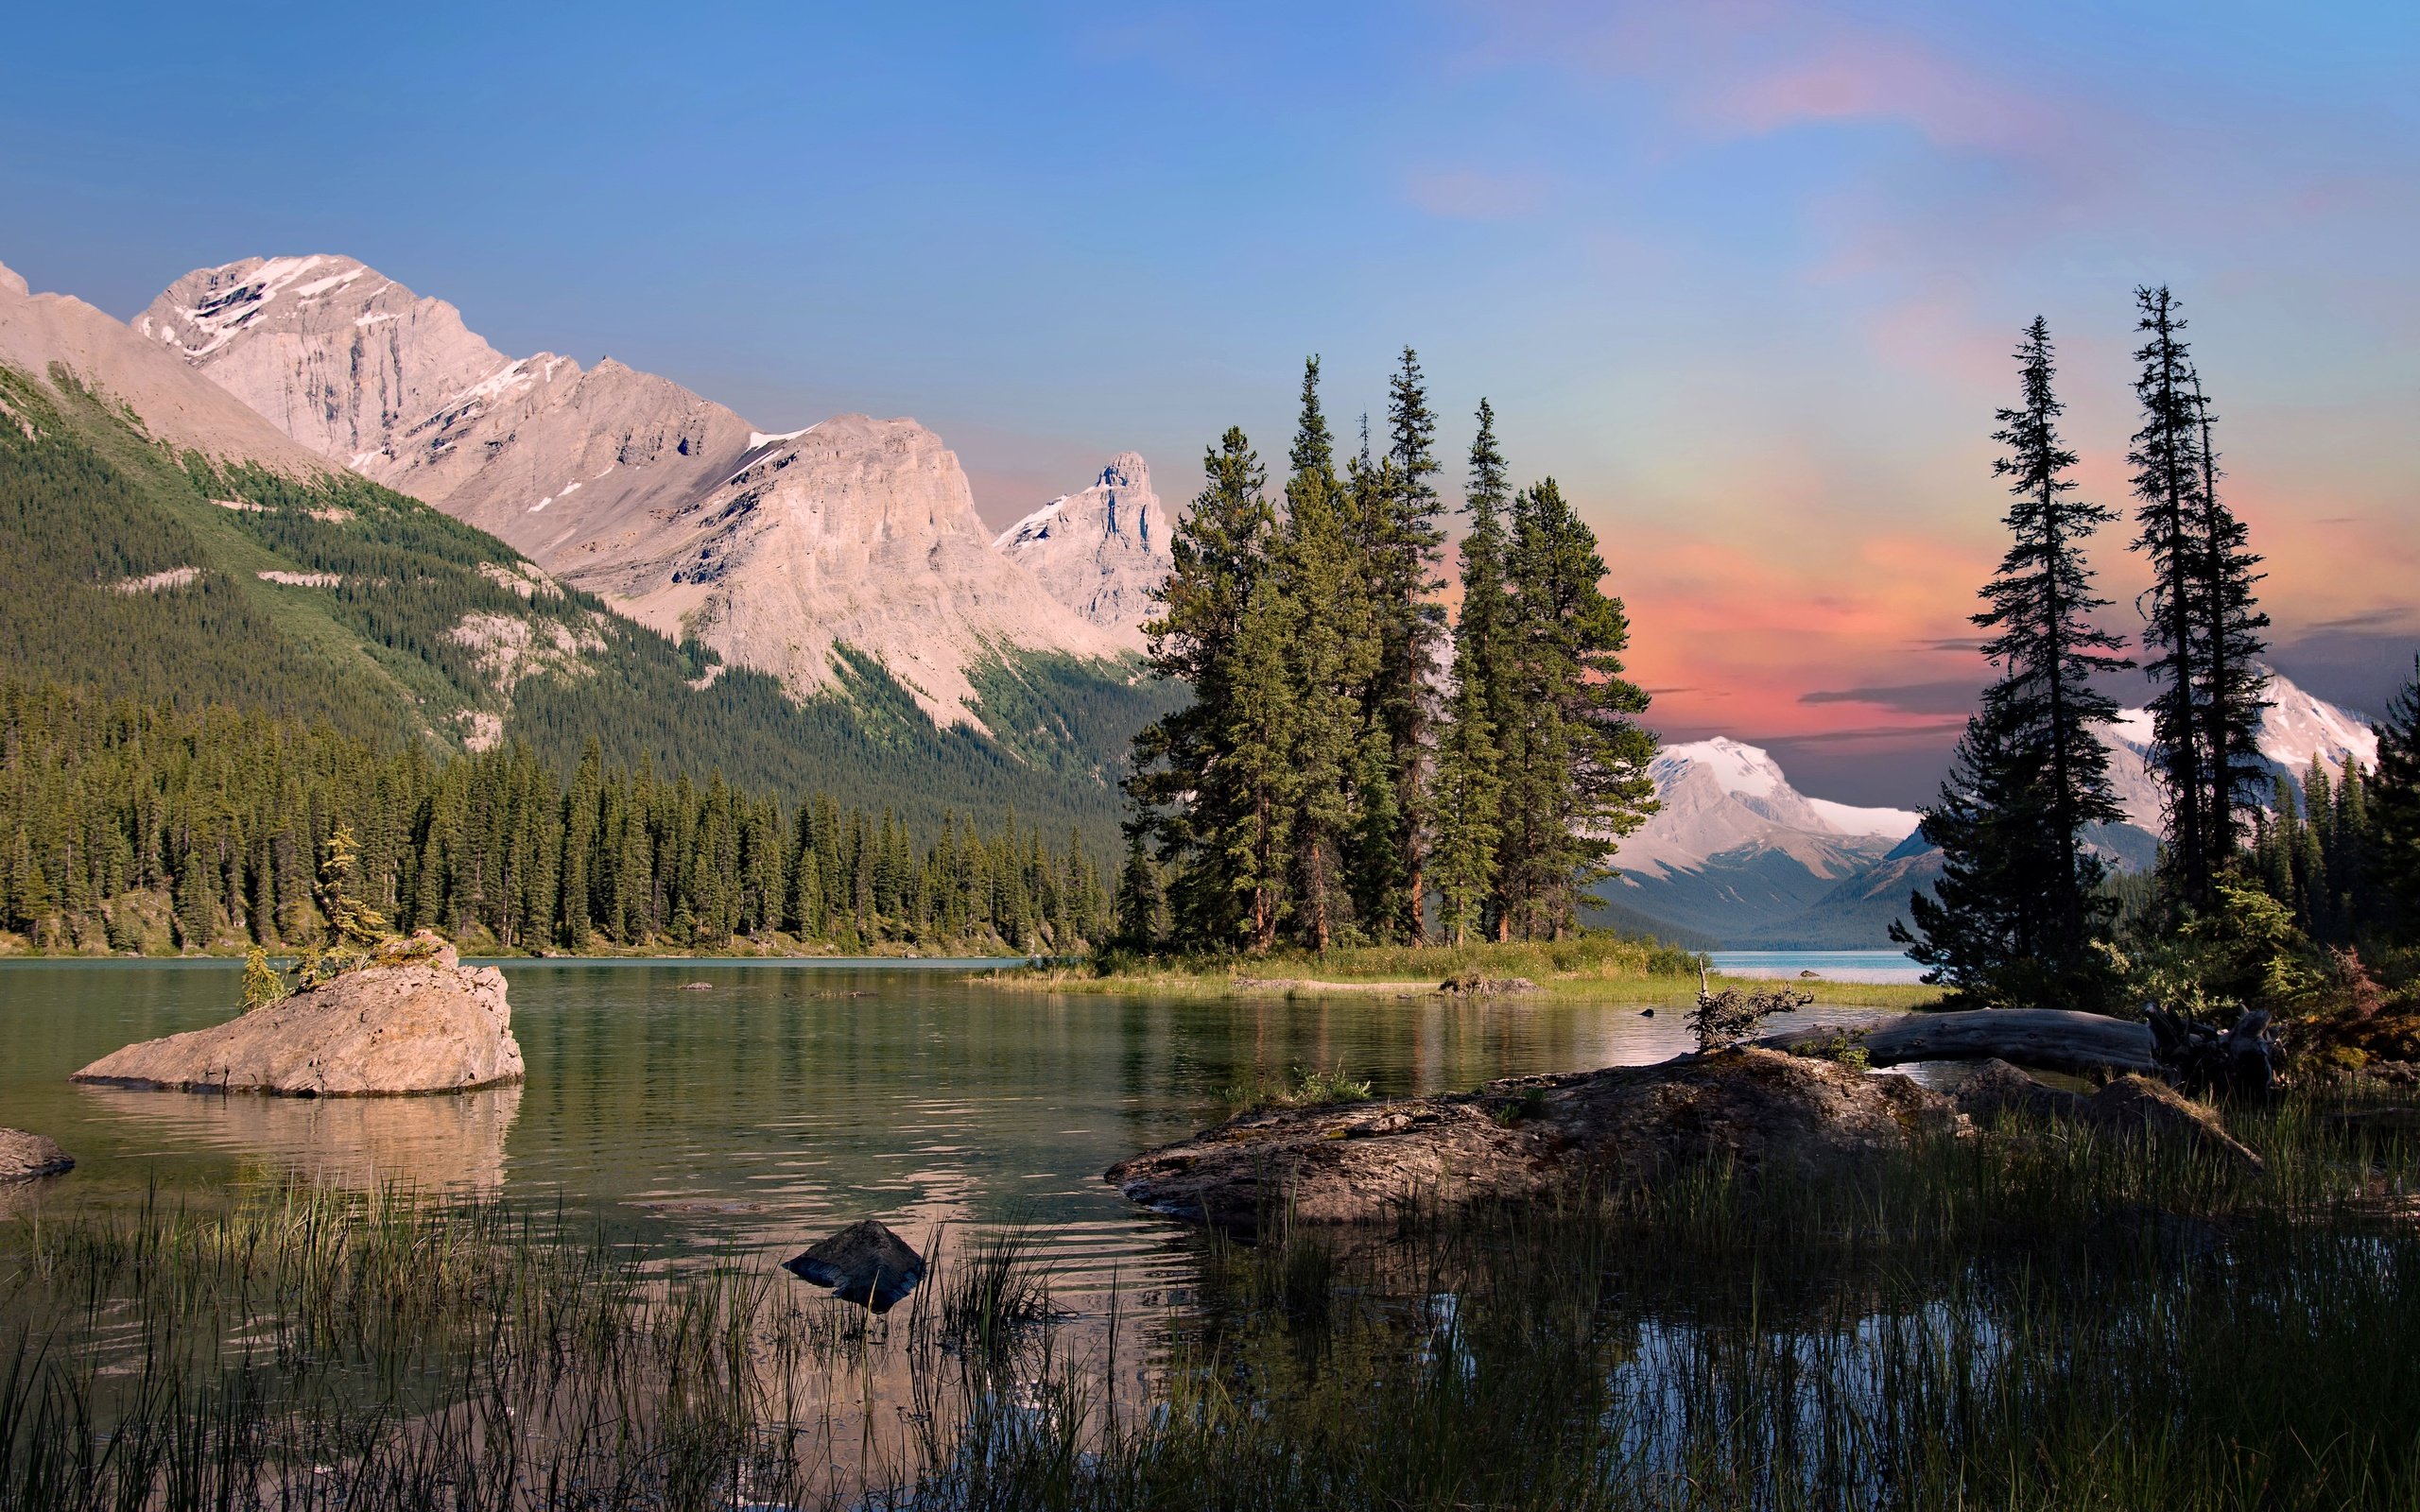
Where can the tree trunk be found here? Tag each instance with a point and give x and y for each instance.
(2047, 1039)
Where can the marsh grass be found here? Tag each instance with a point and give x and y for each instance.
(2047, 1318)
(1308, 1087)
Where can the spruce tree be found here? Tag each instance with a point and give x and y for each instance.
(1410, 545)
(2393, 803)
(1330, 661)
(2168, 482)
(1581, 781)
(1182, 791)
(2032, 775)
(1976, 932)
(2229, 623)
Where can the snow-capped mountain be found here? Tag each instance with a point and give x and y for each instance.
(776, 549)
(1101, 551)
(1734, 853)
(2296, 729)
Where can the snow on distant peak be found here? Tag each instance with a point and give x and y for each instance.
(1735, 768)
(1750, 773)
(759, 440)
(1031, 524)
(1893, 824)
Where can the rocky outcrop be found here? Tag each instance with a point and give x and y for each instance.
(865, 1263)
(23, 1155)
(1524, 1138)
(430, 1025)
(776, 550)
(1101, 551)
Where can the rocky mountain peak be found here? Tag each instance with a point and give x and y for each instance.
(330, 350)
(12, 281)
(1100, 551)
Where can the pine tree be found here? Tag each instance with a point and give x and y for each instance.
(1411, 629)
(2394, 802)
(2034, 775)
(2167, 481)
(1257, 755)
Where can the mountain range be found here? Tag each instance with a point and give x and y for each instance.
(1736, 856)
(784, 552)
(220, 503)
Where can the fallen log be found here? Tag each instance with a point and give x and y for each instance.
(2047, 1039)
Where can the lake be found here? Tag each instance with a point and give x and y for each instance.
(1836, 966)
(785, 1100)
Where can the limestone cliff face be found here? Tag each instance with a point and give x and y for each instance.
(855, 530)
(1101, 551)
(327, 351)
(773, 549)
(176, 406)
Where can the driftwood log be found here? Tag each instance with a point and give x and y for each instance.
(2241, 1061)
(2079, 1044)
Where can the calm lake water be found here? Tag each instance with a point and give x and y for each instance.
(785, 1100)
(1836, 966)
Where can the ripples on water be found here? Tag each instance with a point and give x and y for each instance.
(786, 1101)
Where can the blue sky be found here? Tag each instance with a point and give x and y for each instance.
(1743, 276)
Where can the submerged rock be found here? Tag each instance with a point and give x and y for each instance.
(865, 1263)
(23, 1155)
(1517, 1139)
(425, 1024)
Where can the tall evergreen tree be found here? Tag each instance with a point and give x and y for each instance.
(1410, 545)
(1468, 798)
(2229, 623)
(1183, 787)
(2168, 482)
(1331, 658)
(2023, 902)
(1581, 781)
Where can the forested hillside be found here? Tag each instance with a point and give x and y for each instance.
(137, 826)
(172, 580)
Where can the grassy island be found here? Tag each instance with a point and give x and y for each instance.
(1589, 964)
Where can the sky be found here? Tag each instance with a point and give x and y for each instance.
(1743, 277)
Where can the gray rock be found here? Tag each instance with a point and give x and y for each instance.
(427, 1025)
(865, 1263)
(24, 1156)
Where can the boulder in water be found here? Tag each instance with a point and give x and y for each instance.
(865, 1263)
(23, 1155)
(415, 1019)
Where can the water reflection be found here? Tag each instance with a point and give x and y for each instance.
(452, 1143)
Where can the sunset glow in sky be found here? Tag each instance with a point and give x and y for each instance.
(1744, 277)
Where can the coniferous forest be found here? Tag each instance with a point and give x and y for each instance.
(1351, 769)
(133, 826)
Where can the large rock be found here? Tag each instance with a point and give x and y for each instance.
(2129, 1107)
(1522, 1138)
(24, 1156)
(428, 1024)
(865, 1263)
